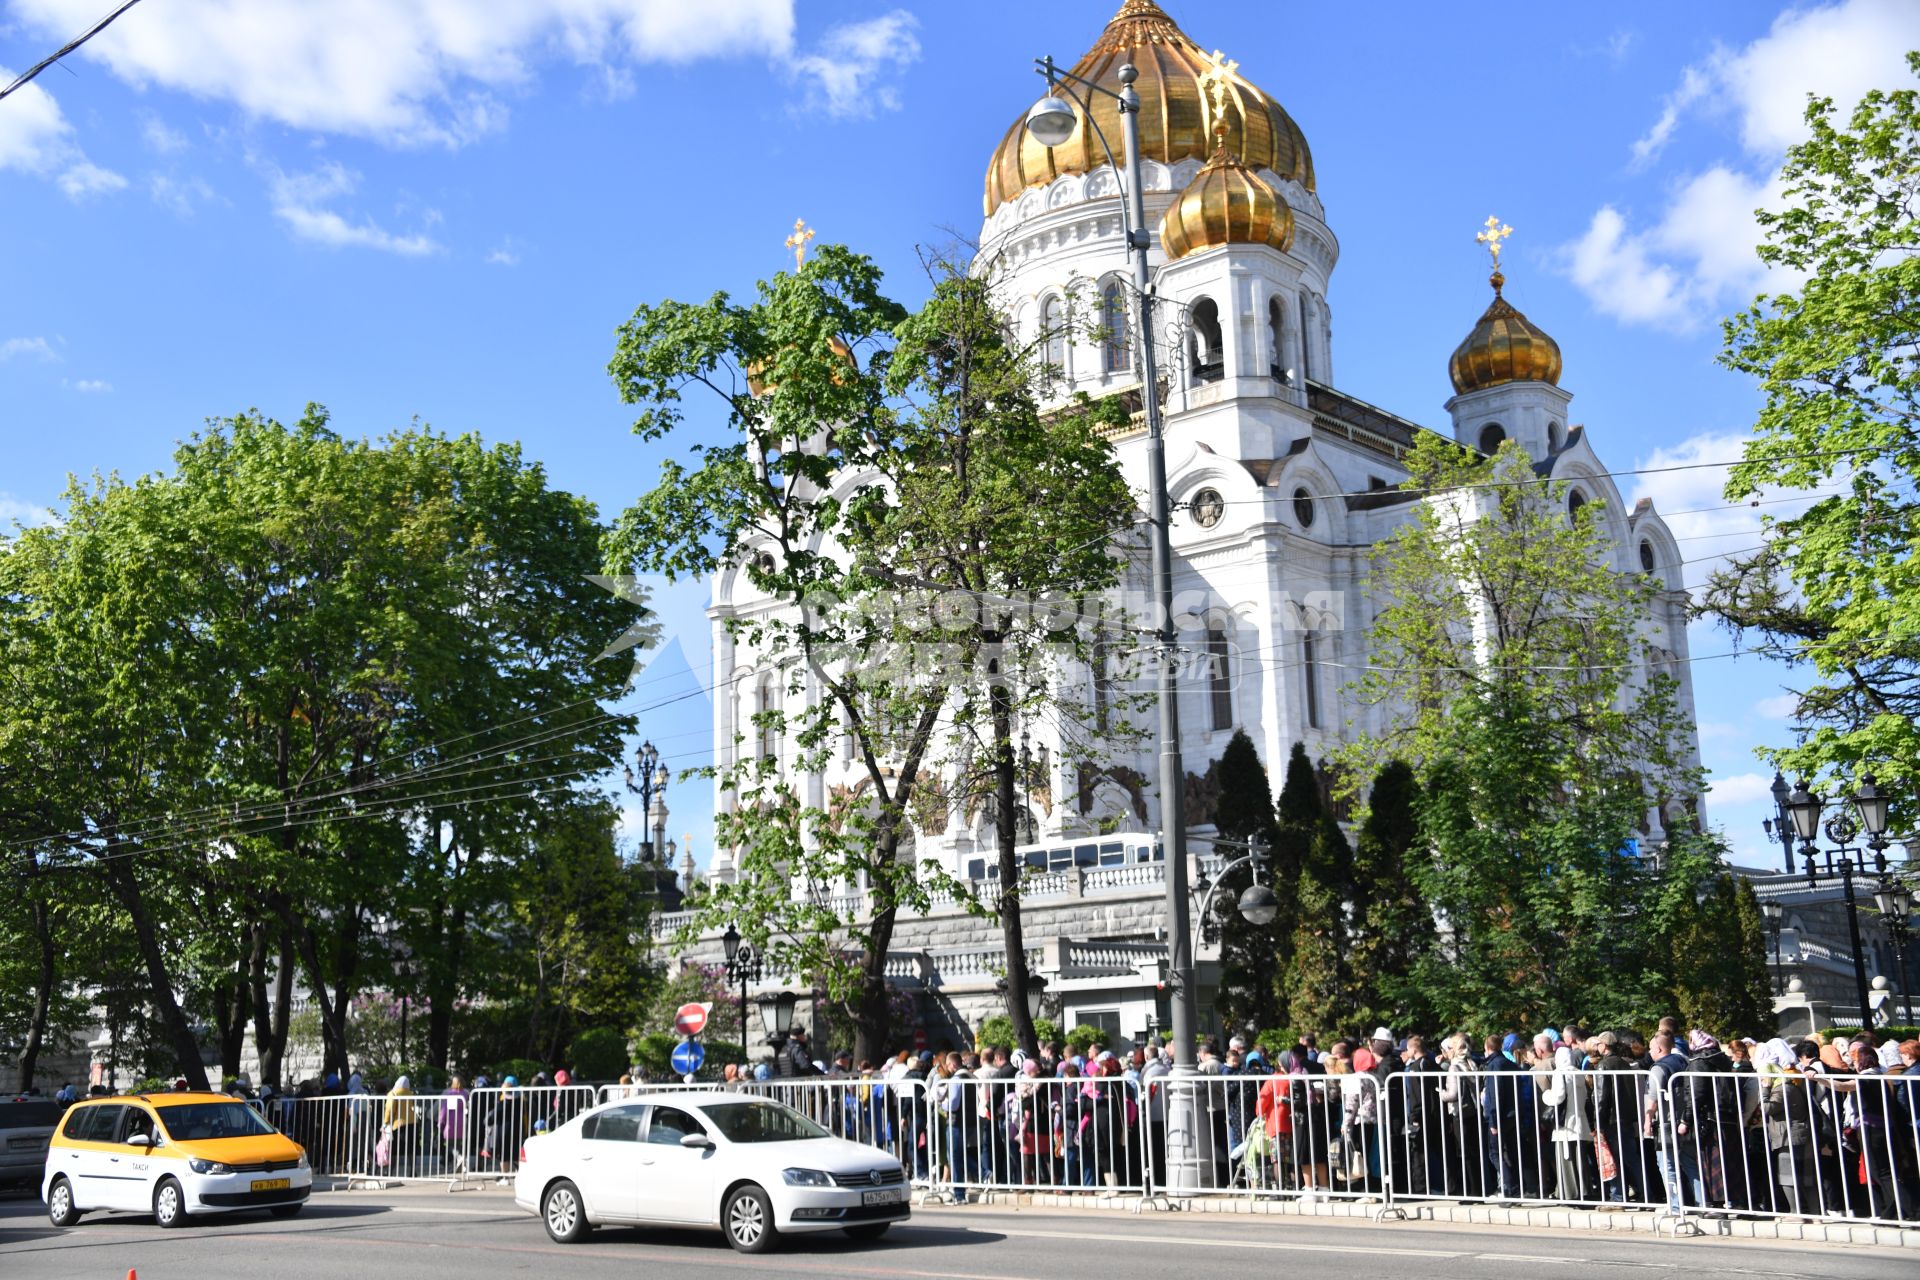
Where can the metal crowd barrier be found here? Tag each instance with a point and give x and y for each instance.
(1078, 1136)
(1308, 1136)
(451, 1138)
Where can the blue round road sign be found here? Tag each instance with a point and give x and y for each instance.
(687, 1057)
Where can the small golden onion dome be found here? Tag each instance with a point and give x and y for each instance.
(1226, 203)
(1173, 112)
(759, 387)
(1504, 347)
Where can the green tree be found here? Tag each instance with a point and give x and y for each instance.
(872, 461)
(1719, 960)
(1318, 980)
(1512, 659)
(1392, 925)
(1249, 953)
(1834, 593)
(1297, 817)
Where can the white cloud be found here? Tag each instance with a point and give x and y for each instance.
(841, 75)
(182, 196)
(13, 509)
(300, 200)
(1740, 788)
(1779, 707)
(404, 72)
(159, 136)
(90, 386)
(503, 255)
(1697, 260)
(1707, 528)
(36, 138)
(88, 179)
(38, 348)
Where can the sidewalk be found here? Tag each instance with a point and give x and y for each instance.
(496, 1197)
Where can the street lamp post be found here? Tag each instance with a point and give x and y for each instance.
(776, 1017)
(743, 966)
(1774, 913)
(1780, 825)
(651, 786)
(1895, 901)
(1052, 121)
(1803, 807)
(1036, 993)
(1256, 905)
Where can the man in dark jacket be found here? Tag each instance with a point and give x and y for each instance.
(1619, 1101)
(1679, 1161)
(1507, 1111)
(794, 1060)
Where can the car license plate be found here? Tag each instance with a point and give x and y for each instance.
(269, 1184)
(883, 1197)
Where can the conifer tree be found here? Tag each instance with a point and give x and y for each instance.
(1296, 818)
(1392, 925)
(1318, 983)
(1250, 954)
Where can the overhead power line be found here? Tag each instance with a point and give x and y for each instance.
(21, 80)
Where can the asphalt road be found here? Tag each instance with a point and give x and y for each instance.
(368, 1235)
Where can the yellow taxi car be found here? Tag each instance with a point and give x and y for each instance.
(174, 1155)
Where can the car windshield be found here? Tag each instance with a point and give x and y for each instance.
(761, 1122)
(199, 1121)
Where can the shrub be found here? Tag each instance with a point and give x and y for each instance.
(600, 1053)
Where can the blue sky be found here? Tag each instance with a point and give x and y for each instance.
(443, 208)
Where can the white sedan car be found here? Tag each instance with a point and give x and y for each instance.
(755, 1168)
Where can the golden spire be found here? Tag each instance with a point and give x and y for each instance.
(1495, 231)
(798, 242)
(1214, 82)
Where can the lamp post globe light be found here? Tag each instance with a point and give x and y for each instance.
(1870, 807)
(1051, 121)
(776, 1016)
(1036, 994)
(1775, 914)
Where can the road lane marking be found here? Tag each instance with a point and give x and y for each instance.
(1273, 1245)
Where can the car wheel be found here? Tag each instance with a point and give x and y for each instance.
(564, 1214)
(868, 1230)
(747, 1219)
(286, 1210)
(60, 1210)
(169, 1204)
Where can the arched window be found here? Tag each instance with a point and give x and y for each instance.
(1310, 672)
(1647, 560)
(1575, 501)
(1219, 675)
(1116, 354)
(1053, 333)
(1492, 436)
(1555, 437)
(763, 713)
(1303, 508)
(1204, 354)
(1100, 661)
(1277, 340)
(1306, 340)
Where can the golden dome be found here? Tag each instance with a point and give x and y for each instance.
(1504, 347)
(1226, 203)
(1173, 113)
(756, 372)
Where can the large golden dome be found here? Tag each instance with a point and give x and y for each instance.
(1173, 117)
(1226, 203)
(1504, 347)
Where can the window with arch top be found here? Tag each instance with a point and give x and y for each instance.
(1303, 508)
(1115, 351)
(1575, 501)
(1492, 436)
(1277, 340)
(1219, 674)
(1204, 342)
(1053, 336)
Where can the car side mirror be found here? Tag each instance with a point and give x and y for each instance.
(698, 1140)
(140, 1140)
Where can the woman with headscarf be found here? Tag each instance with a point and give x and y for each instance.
(1315, 1109)
(1359, 1122)
(1274, 1108)
(1567, 1098)
(1459, 1094)
(1026, 1121)
(397, 1119)
(453, 1125)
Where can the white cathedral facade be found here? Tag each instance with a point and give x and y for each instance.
(1283, 482)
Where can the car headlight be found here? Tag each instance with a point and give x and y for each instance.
(807, 1178)
(303, 1160)
(198, 1165)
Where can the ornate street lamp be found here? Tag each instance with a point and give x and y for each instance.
(1256, 905)
(651, 786)
(1780, 825)
(1895, 901)
(1804, 809)
(1036, 992)
(776, 1016)
(743, 966)
(1775, 914)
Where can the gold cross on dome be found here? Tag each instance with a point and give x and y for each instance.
(1219, 74)
(1495, 232)
(798, 242)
